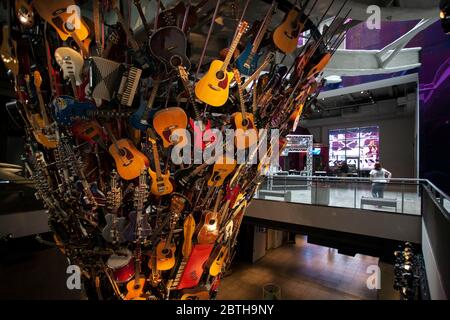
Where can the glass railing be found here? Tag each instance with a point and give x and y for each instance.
(397, 196)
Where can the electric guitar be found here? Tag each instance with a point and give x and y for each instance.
(221, 170)
(168, 45)
(167, 121)
(209, 232)
(165, 250)
(161, 184)
(66, 109)
(115, 225)
(285, 36)
(141, 118)
(67, 23)
(246, 134)
(71, 63)
(89, 131)
(213, 88)
(129, 160)
(247, 62)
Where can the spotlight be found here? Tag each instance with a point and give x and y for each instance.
(444, 15)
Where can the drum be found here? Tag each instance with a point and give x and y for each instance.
(122, 265)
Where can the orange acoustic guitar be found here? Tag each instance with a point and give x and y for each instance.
(166, 121)
(210, 230)
(129, 160)
(221, 170)
(246, 133)
(214, 87)
(161, 184)
(285, 36)
(188, 232)
(64, 16)
(219, 260)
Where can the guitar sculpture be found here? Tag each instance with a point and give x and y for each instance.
(213, 88)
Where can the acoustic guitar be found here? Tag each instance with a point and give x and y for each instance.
(166, 121)
(246, 134)
(195, 294)
(129, 160)
(285, 36)
(219, 261)
(214, 87)
(188, 232)
(168, 45)
(209, 232)
(221, 170)
(65, 21)
(165, 250)
(161, 184)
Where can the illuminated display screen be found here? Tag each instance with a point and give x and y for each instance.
(358, 146)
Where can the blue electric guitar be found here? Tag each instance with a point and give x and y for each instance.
(66, 109)
(247, 62)
(140, 120)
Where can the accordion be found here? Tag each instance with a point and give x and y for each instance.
(109, 80)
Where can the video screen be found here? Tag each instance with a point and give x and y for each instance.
(359, 147)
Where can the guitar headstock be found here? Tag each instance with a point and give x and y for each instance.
(237, 76)
(243, 27)
(183, 73)
(37, 79)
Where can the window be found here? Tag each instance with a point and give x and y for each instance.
(358, 146)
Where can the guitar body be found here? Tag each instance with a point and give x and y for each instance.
(253, 63)
(245, 137)
(195, 294)
(285, 36)
(129, 232)
(213, 90)
(216, 266)
(129, 160)
(185, 178)
(221, 170)
(209, 231)
(162, 185)
(137, 121)
(66, 109)
(188, 232)
(135, 289)
(38, 124)
(71, 62)
(89, 131)
(113, 231)
(165, 257)
(166, 121)
(169, 44)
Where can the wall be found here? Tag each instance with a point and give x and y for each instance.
(397, 139)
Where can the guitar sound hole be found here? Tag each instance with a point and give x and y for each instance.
(165, 252)
(212, 222)
(220, 75)
(244, 122)
(69, 27)
(122, 153)
(175, 61)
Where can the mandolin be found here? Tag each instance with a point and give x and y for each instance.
(188, 232)
(129, 160)
(214, 87)
(161, 184)
(246, 134)
(165, 250)
(140, 120)
(65, 21)
(209, 232)
(167, 121)
(247, 62)
(168, 45)
(285, 36)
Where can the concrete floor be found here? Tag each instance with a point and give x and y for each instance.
(308, 271)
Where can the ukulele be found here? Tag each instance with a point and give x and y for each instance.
(209, 232)
(213, 88)
(221, 170)
(129, 160)
(161, 184)
(167, 121)
(219, 261)
(168, 45)
(246, 134)
(247, 62)
(188, 232)
(65, 22)
(140, 119)
(285, 36)
(41, 120)
(71, 63)
(115, 225)
(165, 250)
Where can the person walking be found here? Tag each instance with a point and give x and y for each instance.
(379, 177)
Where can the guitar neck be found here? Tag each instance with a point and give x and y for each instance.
(262, 30)
(156, 159)
(126, 29)
(242, 102)
(231, 50)
(42, 107)
(188, 87)
(258, 71)
(97, 31)
(143, 18)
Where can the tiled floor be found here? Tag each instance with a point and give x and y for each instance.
(302, 271)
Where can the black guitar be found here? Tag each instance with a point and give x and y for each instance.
(168, 45)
